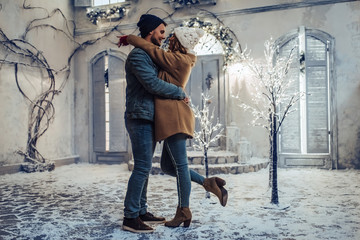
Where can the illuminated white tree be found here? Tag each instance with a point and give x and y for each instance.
(209, 132)
(273, 99)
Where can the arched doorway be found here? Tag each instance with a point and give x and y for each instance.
(208, 77)
(109, 138)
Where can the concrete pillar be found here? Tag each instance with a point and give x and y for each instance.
(232, 137)
(244, 150)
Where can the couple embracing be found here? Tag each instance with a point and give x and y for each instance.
(157, 109)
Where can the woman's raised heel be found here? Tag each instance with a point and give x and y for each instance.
(215, 185)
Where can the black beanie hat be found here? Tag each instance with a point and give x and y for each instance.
(147, 23)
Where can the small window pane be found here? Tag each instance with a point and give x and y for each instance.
(106, 2)
(100, 2)
(116, 1)
(316, 49)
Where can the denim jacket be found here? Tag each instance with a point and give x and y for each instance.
(143, 84)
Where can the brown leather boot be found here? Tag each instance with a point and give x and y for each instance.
(215, 185)
(183, 215)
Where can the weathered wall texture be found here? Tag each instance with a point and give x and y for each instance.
(70, 133)
(57, 142)
(347, 35)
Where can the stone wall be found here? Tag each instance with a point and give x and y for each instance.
(56, 47)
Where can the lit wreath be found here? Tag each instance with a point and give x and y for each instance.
(231, 48)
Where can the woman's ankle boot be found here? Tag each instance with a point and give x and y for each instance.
(183, 215)
(215, 185)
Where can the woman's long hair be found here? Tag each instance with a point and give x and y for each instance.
(175, 45)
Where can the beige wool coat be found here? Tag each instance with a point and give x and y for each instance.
(171, 116)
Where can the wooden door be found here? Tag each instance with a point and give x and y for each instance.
(207, 78)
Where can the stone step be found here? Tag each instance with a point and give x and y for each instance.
(197, 157)
(228, 168)
(219, 163)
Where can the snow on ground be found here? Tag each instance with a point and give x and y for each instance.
(84, 201)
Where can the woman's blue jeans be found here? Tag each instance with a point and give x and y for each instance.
(174, 162)
(141, 134)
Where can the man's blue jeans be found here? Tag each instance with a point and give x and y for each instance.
(141, 134)
(174, 162)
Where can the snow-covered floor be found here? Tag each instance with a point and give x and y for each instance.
(83, 201)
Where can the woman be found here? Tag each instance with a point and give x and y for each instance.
(174, 120)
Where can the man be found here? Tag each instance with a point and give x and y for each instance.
(142, 85)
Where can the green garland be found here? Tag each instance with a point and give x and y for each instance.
(95, 15)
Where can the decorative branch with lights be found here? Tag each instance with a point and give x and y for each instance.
(272, 99)
(209, 132)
